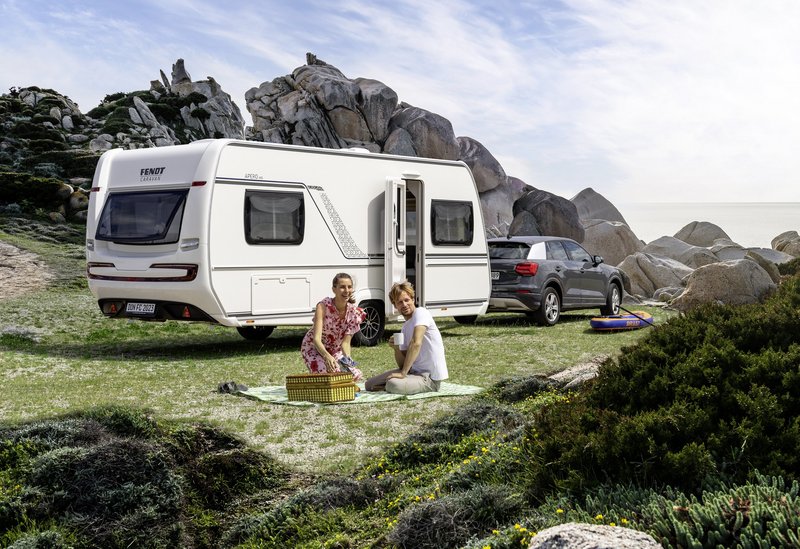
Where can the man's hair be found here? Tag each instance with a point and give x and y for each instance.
(400, 287)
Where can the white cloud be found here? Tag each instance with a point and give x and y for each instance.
(639, 99)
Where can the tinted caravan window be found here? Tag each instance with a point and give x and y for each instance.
(452, 222)
(142, 217)
(272, 217)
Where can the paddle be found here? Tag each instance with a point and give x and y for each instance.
(647, 322)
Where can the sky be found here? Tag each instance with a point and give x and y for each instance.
(641, 100)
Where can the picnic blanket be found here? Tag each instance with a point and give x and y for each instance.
(276, 394)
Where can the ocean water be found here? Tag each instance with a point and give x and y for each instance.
(750, 224)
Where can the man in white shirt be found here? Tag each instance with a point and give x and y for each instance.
(421, 365)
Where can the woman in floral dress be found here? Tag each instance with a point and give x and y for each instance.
(336, 319)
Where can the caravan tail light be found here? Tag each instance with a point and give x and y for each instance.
(186, 313)
(526, 268)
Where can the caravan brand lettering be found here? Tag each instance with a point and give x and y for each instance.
(151, 174)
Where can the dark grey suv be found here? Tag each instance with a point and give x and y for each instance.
(544, 275)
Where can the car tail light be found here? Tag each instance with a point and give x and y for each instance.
(526, 268)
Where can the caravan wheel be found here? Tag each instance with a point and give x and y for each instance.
(372, 328)
(255, 333)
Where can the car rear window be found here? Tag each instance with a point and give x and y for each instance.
(508, 250)
(142, 217)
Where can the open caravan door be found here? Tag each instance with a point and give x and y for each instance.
(394, 252)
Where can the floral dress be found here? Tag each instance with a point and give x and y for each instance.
(334, 328)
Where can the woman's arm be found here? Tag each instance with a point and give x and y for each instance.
(346, 344)
(319, 318)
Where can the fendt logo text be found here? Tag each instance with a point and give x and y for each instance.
(151, 174)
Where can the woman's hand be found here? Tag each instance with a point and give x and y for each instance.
(330, 364)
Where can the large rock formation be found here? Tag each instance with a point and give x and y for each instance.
(542, 213)
(648, 273)
(613, 240)
(788, 243)
(593, 205)
(318, 106)
(576, 535)
(701, 233)
(735, 282)
(674, 248)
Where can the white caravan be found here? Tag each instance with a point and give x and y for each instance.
(250, 234)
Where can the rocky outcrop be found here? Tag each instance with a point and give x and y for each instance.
(592, 205)
(737, 282)
(576, 535)
(647, 273)
(543, 213)
(318, 106)
(673, 248)
(701, 233)
(613, 240)
(788, 243)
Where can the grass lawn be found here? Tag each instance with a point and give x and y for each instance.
(59, 354)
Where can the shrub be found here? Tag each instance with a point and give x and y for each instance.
(73, 163)
(165, 112)
(99, 112)
(200, 113)
(791, 267)
(44, 145)
(29, 130)
(712, 394)
(29, 191)
(217, 478)
(115, 477)
(451, 520)
(110, 98)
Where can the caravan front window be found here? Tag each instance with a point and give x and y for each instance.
(142, 217)
(272, 217)
(452, 222)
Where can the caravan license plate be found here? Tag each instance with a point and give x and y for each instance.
(140, 308)
(495, 275)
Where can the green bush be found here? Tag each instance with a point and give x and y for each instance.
(74, 163)
(110, 98)
(30, 191)
(115, 477)
(29, 130)
(791, 267)
(453, 519)
(165, 112)
(200, 113)
(44, 145)
(712, 394)
(99, 112)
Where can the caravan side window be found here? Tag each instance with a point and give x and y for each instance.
(272, 217)
(452, 222)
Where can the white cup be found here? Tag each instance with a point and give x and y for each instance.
(398, 339)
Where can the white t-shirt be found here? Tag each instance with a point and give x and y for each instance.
(431, 356)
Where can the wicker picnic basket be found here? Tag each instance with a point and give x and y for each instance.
(332, 387)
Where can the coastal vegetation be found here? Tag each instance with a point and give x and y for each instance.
(114, 436)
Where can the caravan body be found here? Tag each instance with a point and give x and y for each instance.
(251, 234)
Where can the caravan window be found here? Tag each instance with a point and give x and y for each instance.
(452, 222)
(272, 217)
(142, 217)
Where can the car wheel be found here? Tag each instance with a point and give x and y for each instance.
(550, 310)
(613, 301)
(466, 319)
(255, 333)
(371, 331)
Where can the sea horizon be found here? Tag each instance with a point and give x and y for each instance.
(749, 224)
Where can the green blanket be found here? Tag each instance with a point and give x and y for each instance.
(276, 394)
